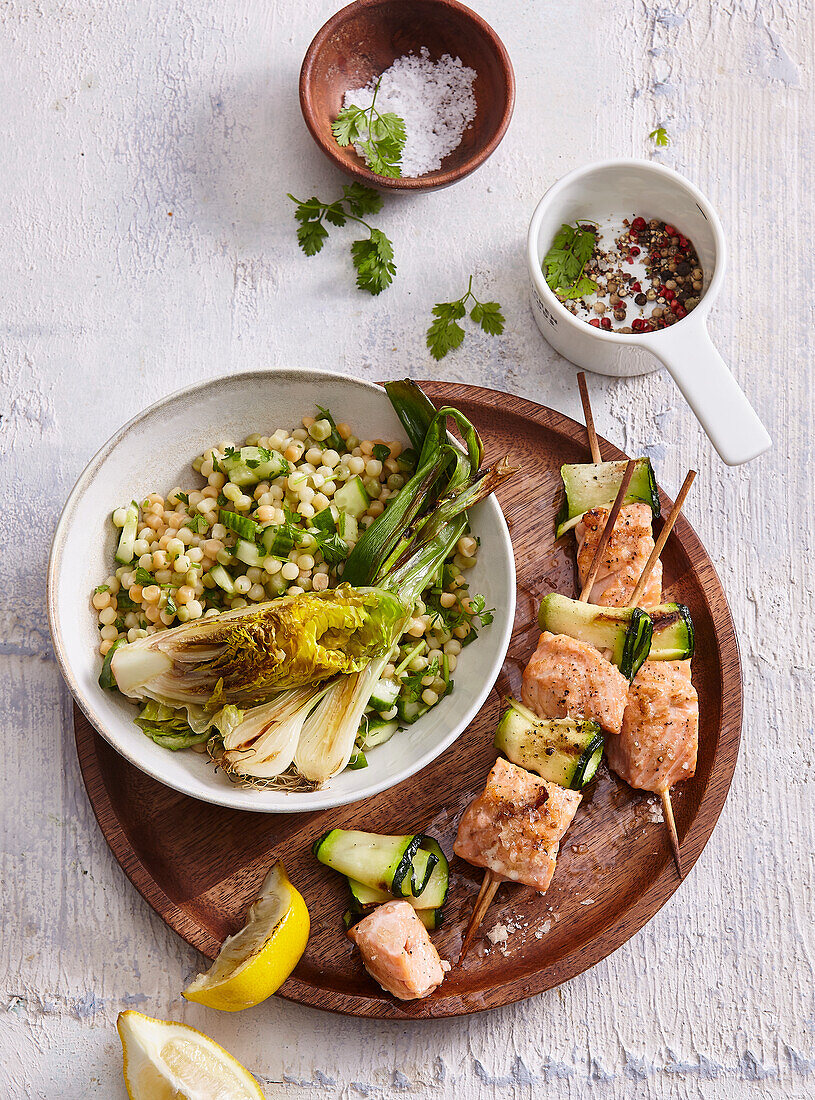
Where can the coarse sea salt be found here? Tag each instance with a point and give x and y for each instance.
(434, 98)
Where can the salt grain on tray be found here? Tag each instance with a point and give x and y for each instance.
(434, 98)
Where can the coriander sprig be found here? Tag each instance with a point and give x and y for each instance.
(564, 263)
(660, 136)
(445, 333)
(372, 256)
(380, 136)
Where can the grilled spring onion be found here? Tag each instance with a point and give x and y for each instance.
(127, 539)
(626, 631)
(596, 484)
(566, 751)
(673, 638)
(410, 866)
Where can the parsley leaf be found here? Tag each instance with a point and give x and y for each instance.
(373, 259)
(445, 334)
(660, 136)
(101, 588)
(381, 137)
(381, 452)
(372, 256)
(143, 577)
(565, 261)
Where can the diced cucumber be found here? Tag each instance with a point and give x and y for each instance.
(385, 694)
(590, 485)
(352, 497)
(250, 465)
(626, 631)
(410, 710)
(127, 539)
(347, 527)
(222, 579)
(248, 553)
(673, 638)
(357, 760)
(278, 541)
(384, 862)
(243, 526)
(324, 521)
(566, 751)
(378, 732)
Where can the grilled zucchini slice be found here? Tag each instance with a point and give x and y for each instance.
(626, 631)
(673, 638)
(596, 484)
(566, 751)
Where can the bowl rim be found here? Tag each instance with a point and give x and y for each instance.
(239, 798)
(432, 180)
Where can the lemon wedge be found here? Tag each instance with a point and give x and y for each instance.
(256, 961)
(166, 1061)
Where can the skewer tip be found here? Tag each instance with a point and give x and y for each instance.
(668, 811)
(489, 888)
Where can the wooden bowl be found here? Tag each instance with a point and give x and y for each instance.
(365, 38)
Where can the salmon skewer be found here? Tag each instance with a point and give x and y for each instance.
(511, 829)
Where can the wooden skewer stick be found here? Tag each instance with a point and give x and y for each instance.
(663, 537)
(607, 531)
(489, 888)
(668, 812)
(592, 434)
(665, 795)
(491, 881)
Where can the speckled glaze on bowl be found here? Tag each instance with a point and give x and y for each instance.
(366, 37)
(153, 453)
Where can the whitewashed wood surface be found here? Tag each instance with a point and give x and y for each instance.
(146, 149)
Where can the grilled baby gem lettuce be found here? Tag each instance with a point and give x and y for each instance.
(246, 656)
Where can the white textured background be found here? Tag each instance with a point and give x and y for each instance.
(116, 113)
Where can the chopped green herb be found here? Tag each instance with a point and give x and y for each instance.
(101, 588)
(659, 136)
(197, 524)
(381, 452)
(143, 577)
(183, 497)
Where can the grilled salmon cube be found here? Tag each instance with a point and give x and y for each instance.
(514, 827)
(566, 678)
(659, 739)
(397, 951)
(624, 558)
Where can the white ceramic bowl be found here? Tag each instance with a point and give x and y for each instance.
(153, 453)
(611, 189)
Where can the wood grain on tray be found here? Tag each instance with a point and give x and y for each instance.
(199, 865)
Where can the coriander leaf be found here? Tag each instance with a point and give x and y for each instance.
(373, 259)
(583, 286)
(563, 264)
(101, 588)
(489, 316)
(346, 127)
(334, 549)
(444, 333)
(381, 160)
(307, 211)
(335, 214)
(660, 136)
(143, 577)
(197, 524)
(311, 237)
(170, 604)
(362, 200)
(183, 497)
(381, 452)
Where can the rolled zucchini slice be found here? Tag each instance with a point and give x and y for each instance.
(626, 631)
(566, 751)
(673, 637)
(596, 484)
(400, 866)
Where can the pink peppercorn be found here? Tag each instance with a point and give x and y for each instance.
(595, 322)
(605, 323)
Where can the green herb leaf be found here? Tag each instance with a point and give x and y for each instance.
(335, 214)
(347, 126)
(362, 200)
(444, 333)
(170, 604)
(373, 259)
(381, 452)
(183, 497)
(143, 577)
(489, 316)
(101, 588)
(659, 136)
(311, 237)
(563, 264)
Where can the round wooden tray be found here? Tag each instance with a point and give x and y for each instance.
(199, 865)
